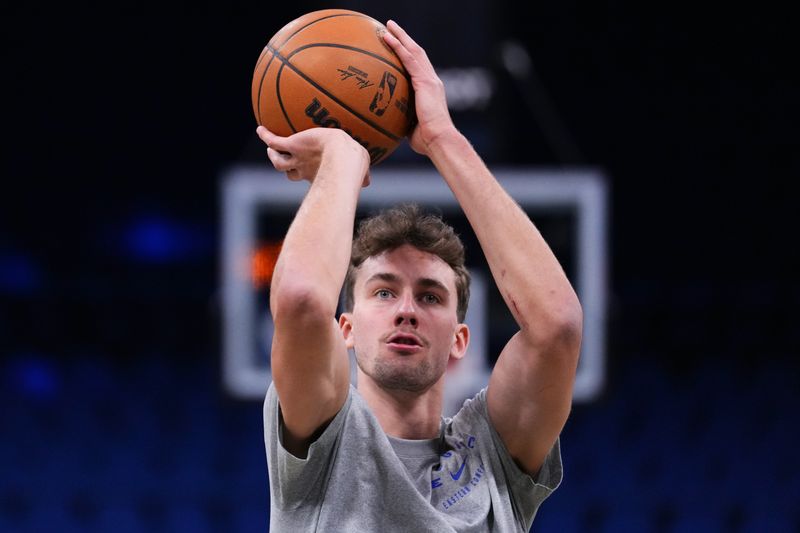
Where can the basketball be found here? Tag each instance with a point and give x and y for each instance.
(331, 68)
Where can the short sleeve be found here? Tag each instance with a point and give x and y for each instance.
(527, 492)
(293, 479)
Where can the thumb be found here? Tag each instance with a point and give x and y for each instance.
(273, 141)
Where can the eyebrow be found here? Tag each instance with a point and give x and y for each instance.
(422, 282)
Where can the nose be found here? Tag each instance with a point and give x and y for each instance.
(406, 311)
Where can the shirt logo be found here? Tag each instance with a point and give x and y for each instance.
(460, 470)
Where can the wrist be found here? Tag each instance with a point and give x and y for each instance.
(447, 140)
(345, 158)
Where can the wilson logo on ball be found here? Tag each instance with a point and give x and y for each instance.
(321, 117)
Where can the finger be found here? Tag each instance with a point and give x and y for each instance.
(393, 42)
(408, 60)
(401, 34)
(404, 38)
(406, 48)
(281, 162)
(272, 140)
(264, 134)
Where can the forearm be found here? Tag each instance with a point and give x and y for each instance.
(527, 273)
(316, 250)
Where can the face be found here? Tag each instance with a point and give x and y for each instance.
(404, 328)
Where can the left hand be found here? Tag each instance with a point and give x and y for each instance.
(304, 154)
(433, 116)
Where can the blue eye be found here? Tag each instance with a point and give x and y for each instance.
(430, 298)
(383, 293)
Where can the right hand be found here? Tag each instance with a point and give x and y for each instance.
(303, 154)
(430, 98)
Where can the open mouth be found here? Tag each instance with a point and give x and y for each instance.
(404, 341)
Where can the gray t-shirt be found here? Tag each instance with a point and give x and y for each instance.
(356, 478)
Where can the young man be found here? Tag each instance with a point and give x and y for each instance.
(381, 458)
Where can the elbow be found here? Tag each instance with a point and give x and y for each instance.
(570, 317)
(299, 301)
(561, 331)
(567, 330)
(570, 330)
(565, 327)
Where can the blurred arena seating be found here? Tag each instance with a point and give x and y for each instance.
(97, 444)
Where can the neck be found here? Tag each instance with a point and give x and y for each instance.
(404, 414)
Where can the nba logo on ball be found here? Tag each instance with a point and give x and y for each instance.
(331, 68)
(381, 100)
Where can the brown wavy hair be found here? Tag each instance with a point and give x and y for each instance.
(408, 224)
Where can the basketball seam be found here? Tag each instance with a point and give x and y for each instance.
(300, 73)
(261, 83)
(401, 70)
(280, 100)
(274, 53)
(278, 48)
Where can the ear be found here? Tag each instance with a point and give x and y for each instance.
(460, 342)
(346, 325)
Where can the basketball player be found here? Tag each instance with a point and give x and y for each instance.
(380, 457)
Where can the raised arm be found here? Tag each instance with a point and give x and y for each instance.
(310, 365)
(530, 389)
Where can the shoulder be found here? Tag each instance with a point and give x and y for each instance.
(273, 420)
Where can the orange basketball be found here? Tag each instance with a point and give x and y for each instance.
(331, 68)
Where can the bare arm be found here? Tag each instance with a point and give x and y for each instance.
(309, 358)
(530, 390)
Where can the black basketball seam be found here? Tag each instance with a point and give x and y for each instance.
(280, 100)
(261, 82)
(274, 51)
(278, 48)
(286, 62)
(401, 70)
